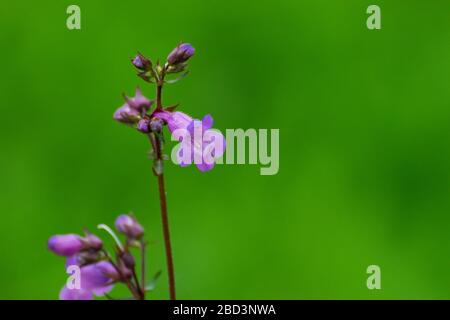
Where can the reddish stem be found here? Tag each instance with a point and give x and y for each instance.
(157, 147)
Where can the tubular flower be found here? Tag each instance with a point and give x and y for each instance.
(199, 144)
(95, 279)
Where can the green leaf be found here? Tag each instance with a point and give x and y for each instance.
(177, 79)
(158, 167)
(172, 108)
(152, 284)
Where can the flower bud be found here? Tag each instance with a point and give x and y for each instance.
(139, 101)
(141, 62)
(65, 245)
(156, 125)
(144, 126)
(127, 115)
(86, 257)
(133, 109)
(128, 260)
(91, 241)
(129, 226)
(180, 54)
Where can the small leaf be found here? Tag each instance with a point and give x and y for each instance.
(152, 284)
(179, 67)
(158, 167)
(171, 108)
(151, 155)
(177, 79)
(147, 76)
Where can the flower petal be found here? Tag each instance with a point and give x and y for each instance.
(75, 294)
(207, 122)
(98, 277)
(203, 167)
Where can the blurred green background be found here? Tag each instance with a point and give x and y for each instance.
(364, 123)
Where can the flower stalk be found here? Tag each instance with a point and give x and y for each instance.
(137, 112)
(199, 145)
(157, 145)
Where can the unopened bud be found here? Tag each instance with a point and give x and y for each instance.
(91, 241)
(65, 245)
(181, 54)
(129, 226)
(144, 126)
(156, 125)
(141, 62)
(128, 260)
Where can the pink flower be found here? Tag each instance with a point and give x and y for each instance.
(199, 144)
(95, 279)
(75, 294)
(133, 109)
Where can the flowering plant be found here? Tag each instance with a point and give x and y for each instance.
(99, 271)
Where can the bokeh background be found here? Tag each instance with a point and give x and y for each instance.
(364, 119)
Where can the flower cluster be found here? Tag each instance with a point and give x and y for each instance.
(86, 258)
(98, 272)
(201, 149)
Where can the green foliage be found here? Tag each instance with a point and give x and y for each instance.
(364, 147)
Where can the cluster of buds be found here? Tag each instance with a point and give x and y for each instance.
(137, 111)
(176, 63)
(99, 271)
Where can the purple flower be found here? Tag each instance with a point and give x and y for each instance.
(129, 226)
(141, 62)
(133, 109)
(200, 144)
(206, 145)
(95, 279)
(175, 120)
(181, 54)
(99, 277)
(65, 245)
(75, 294)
